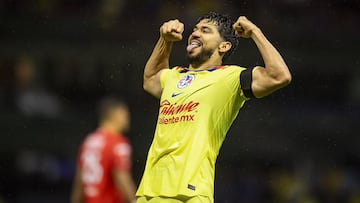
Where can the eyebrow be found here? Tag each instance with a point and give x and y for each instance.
(202, 27)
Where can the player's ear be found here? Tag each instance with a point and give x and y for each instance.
(224, 47)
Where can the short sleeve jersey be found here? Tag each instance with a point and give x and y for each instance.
(196, 110)
(100, 154)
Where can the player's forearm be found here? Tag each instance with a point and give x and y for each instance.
(159, 59)
(126, 185)
(76, 198)
(76, 194)
(129, 190)
(275, 65)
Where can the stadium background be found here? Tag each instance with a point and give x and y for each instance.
(58, 58)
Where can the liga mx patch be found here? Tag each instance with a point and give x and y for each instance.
(191, 187)
(185, 81)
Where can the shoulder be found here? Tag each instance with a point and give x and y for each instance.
(232, 68)
(171, 74)
(122, 146)
(232, 71)
(172, 71)
(95, 139)
(177, 70)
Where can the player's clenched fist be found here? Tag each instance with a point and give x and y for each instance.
(172, 30)
(244, 27)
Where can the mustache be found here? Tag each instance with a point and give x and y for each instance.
(194, 38)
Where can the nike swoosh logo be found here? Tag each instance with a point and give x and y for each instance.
(174, 94)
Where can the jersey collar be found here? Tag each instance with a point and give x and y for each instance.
(183, 69)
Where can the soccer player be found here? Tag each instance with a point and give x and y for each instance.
(104, 161)
(199, 103)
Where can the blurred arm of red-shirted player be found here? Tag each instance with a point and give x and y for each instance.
(124, 181)
(122, 171)
(77, 195)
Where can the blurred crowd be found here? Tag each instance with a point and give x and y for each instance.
(42, 88)
(304, 182)
(132, 19)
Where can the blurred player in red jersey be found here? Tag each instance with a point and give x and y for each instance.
(104, 161)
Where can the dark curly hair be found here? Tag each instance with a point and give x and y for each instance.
(224, 25)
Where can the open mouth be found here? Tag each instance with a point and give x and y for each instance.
(193, 45)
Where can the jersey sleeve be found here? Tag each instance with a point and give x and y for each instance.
(246, 82)
(163, 76)
(232, 80)
(122, 156)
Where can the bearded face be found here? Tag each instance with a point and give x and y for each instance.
(203, 43)
(200, 57)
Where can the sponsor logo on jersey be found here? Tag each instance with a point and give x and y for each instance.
(185, 81)
(174, 113)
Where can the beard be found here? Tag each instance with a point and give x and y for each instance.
(200, 58)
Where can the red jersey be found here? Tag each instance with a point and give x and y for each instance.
(100, 154)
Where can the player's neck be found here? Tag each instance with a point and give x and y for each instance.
(207, 64)
(109, 128)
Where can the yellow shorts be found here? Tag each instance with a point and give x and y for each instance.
(177, 199)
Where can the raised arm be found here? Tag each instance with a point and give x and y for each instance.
(170, 32)
(275, 74)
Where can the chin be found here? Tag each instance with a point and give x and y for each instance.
(193, 55)
(192, 58)
(197, 57)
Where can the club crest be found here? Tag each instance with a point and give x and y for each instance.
(185, 81)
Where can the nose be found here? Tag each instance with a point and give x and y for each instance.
(195, 34)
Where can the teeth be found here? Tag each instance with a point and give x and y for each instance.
(195, 43)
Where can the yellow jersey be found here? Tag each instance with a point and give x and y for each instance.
(196, 110)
